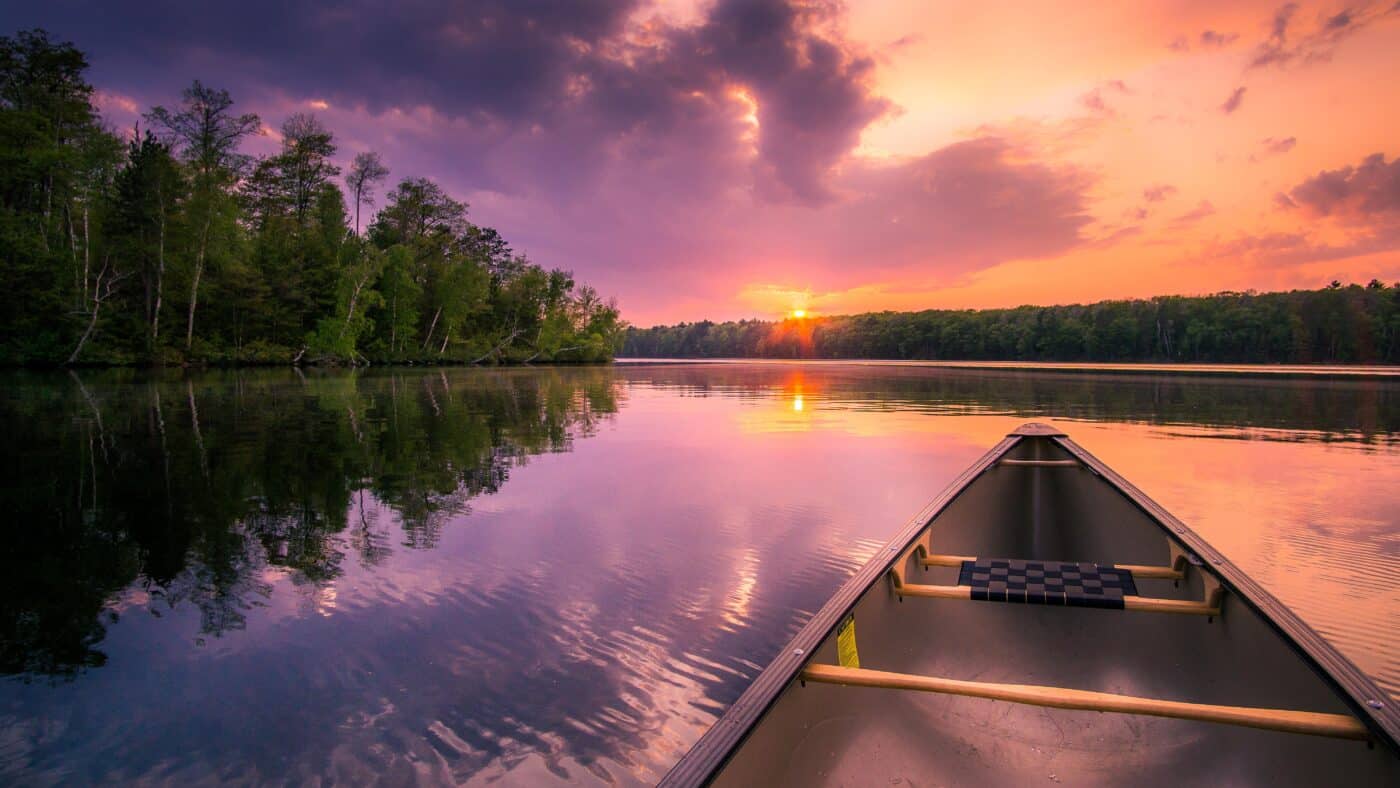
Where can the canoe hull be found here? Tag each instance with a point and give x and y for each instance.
(1253, 654)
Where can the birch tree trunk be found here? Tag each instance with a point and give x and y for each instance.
(73, 241)
(431, 327)
(103, 289)
(350, 311)
(358, 190)
(87, 245)
(198, 271)
(160, 275)
(509, 339)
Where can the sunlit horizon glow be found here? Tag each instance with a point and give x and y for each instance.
(756, 158)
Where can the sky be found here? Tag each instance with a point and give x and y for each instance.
(745, 158)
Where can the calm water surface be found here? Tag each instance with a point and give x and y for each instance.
(546, 575)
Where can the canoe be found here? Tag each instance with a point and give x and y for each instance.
(1043, 621)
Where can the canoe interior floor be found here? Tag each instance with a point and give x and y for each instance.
(1041, 503)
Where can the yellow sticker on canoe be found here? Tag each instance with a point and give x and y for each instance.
(846, 643)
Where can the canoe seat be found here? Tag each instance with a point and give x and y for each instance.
(1064, 583)
(1047, 582)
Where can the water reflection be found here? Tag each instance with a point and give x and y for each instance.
(197, 496)
(542, 575)
(1363, 410)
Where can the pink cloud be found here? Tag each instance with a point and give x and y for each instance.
(1215, 39)
(1368, 193)
(1202, 210)
(1096, 100)
(1158, 192)
(1234, 101)
(1293, 39)
(1273, 146)
(938, 217)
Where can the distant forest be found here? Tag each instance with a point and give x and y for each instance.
(168, 244)
(1337, 324)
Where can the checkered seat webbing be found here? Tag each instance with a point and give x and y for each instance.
(1047, 582)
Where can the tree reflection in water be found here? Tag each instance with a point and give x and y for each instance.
(192, 492)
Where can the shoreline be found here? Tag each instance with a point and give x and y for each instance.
(1304, 371)
(55, 366)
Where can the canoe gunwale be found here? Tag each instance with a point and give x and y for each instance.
(715, 748)
(1353, 686)
(718, 744)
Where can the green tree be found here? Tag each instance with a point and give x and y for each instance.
(366, 172)
(262, 253)
(207, 134)
(146, 219)
(55, 163)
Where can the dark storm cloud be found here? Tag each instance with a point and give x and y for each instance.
(506, 58)
(661, 161)
(540, 67)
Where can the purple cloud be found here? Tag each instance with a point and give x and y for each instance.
(666, 163)
(1234, 101)
(1364, 201)
(1290, 41)
(1201, 211)
(1271, 146)
(960, 208)
(1158, 192)
(1368, 193)
(1275, 48)
(1214, 40)
(1282, 250)
(1096, 101)
(966, 205)
(501, 69)
(1208, 39)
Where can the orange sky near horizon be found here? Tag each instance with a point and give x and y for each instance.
(1134, 97)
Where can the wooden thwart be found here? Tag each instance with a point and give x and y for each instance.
(1308, 722)
(946, 560)
(1041, 463)
(1154, 572)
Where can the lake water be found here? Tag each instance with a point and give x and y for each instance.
(546, 575)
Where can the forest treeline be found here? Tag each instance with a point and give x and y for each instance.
(1337, 324)
(168, 243)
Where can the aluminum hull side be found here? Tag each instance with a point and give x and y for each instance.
(1254, 654)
